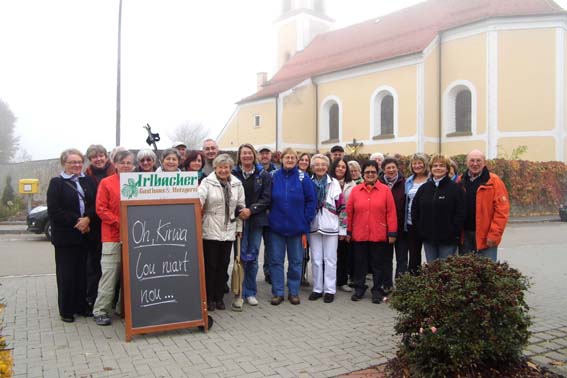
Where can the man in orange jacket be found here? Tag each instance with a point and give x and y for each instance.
(488, 207)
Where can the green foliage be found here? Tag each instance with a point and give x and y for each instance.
(9, 142)
(8, 192)
(516, 154)
(461, 313)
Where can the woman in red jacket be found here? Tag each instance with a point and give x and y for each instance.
(108, 209)
(371, 225)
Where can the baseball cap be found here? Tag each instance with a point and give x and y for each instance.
(264, 148)
(337, 148)
(178, 143)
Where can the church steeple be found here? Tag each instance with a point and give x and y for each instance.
(300, 21)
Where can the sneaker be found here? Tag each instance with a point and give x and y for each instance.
(252, 301)
(237, 304)
(328, 298)
(68, 318)
(276, 300)
(345, 288)
(211, 306)
(314, 296)
(102, 320)
(294, 299)
(356, 297)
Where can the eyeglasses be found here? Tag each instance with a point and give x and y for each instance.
(75, 162)
(370, 172)
(146, 160)
(127, 163)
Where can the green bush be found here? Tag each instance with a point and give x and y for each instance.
(8, 192)
(459, 314)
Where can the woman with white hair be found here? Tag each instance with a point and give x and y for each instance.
(325, 229)
(146, 159)
(221, 195)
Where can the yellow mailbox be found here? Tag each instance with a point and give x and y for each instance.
(28, 186)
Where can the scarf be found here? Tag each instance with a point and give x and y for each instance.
(226, 191)
(79, 189)
(391, 181)
(321, 188)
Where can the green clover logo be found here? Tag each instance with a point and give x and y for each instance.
(130, 189)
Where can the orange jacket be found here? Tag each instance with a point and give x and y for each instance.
(108, 208)
(492, 211)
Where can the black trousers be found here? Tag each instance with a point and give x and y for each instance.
(377, 254)
(344, 262)
(70, 271)
(414, 247)
(217, 259)
(94, 271)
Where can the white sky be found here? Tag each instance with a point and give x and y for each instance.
(182, 60)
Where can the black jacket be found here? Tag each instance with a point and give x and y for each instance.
(439, 211)
(63, 209)
(258, 193)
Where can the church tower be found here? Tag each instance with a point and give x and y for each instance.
(299, 22)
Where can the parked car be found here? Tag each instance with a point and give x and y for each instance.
(38, 221)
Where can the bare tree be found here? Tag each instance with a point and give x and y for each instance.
(22, 156)
(191, 133)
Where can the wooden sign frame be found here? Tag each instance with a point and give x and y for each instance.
(204, 321)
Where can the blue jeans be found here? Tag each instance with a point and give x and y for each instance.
(294, 256)
(469, 245)
(267, 235)
(249, 250)
(438, 251)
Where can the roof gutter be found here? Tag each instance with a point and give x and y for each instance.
(316, 117)
(277, 117)
(439, 90)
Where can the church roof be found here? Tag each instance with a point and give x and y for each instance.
(407, 31)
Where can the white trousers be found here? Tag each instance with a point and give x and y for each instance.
(324, 251)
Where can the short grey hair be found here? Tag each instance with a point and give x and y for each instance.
(354, 164)
(170, 151)
(95, 149)
(320, 157)
(146, 153)
(223, 159)
(70, 151)
(121, 155)
(376, 155)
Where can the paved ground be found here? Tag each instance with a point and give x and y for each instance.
(310, 340)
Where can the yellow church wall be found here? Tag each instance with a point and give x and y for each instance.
(526, 80)
(463, 147)
(355, 94)
(286, 41)
(299, 116)
(539, 148)
(241, 128)
(465, 59)
(431, 100)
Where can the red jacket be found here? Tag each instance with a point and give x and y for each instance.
(371, 215)
(108, 208)
(492, 211)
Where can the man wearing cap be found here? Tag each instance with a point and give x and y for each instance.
(181, 147)
(211, 151)
(488, 207)
(337, 153)
(266, 159)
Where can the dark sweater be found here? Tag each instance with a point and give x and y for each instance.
(258, 193)
(471, 188)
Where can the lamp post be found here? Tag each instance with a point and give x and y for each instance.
(118, 73)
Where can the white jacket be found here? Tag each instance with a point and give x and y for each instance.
(326, 219)
(215, 224)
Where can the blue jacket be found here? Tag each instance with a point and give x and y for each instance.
(258, 193)
(293, 202)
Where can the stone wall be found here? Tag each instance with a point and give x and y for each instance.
(43, 170)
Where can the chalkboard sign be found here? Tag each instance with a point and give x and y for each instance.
(163, 268)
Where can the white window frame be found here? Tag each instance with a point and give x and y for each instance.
(449, 103)
(376, 109)
(324, 129)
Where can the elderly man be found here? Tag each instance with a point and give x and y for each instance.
(488, 207)
(211, 151)
(265, 157)
(181, 147)
(337, 152)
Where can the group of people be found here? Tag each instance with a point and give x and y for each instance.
(346, 217)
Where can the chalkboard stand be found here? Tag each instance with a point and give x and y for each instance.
(189, 208)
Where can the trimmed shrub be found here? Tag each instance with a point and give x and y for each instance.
(461, 313)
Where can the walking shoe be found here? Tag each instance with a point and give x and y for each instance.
(376, 299)
(211, 306)
(329, 298)
(252, 301)
(268, 279)
(102, 320)
(314, 296)
(276, 300)
(294, 299)
(345, 288)
(356, 297)
(68, 319)
(220, 305)
(237, 304)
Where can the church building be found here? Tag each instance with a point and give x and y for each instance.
(442, 76)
